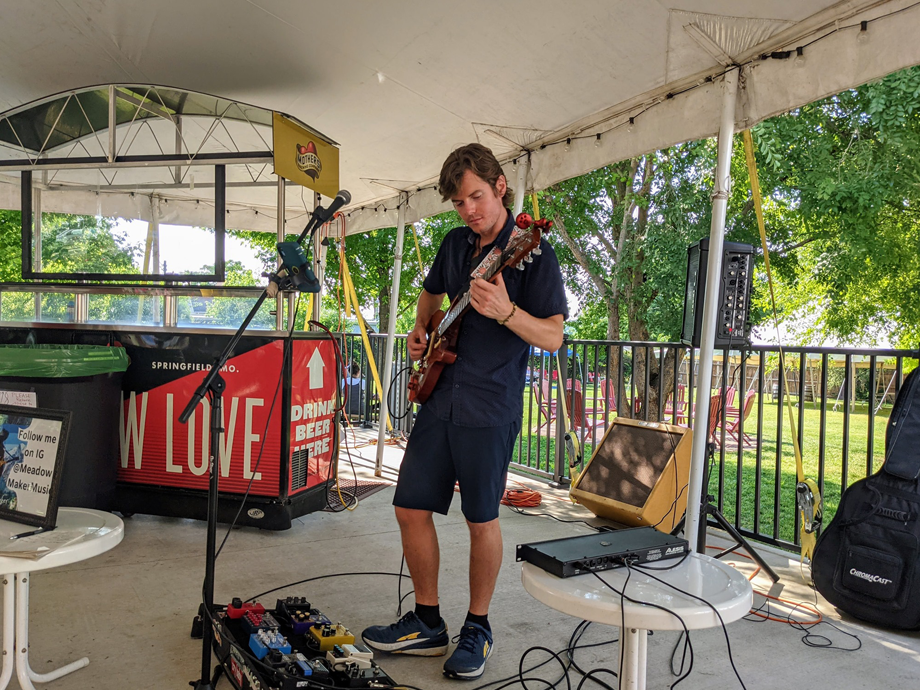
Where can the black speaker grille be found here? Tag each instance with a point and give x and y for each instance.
(628, 463)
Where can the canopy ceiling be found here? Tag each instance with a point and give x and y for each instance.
(399, 84)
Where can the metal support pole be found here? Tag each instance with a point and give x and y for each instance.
(37, 243)
(170, 310)
(81, 307)
(710, 304)
(520, 185)
(111, 151)
(279, 299)
(177, 171)
(318, 258)
(386, 378)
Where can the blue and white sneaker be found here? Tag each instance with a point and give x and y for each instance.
(474, 647)
(408, 635)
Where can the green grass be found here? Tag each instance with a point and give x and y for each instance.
(538, 452)
(834, 480)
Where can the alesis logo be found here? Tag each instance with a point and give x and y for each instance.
(877, 579)
(674, 549)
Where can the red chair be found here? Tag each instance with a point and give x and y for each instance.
(608, 392)
(678, 412)
(545, 401)
(715, 416)
(734, 420)
(579, 415)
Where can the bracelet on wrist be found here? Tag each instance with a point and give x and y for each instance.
(508, 318)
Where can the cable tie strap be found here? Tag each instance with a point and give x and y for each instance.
(508, 318)
(719, 195)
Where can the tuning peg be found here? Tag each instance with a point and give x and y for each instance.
(537, 251)
(519, 266)
(528, 259)
(524, 220)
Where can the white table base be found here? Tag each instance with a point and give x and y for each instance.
(633, 658)
(600, 601)
(16, 637)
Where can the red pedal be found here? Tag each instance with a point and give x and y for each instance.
(236, 608)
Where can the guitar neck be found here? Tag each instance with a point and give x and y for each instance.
(461, 303)
(491, 264)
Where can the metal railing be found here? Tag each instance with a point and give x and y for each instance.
(841, 399)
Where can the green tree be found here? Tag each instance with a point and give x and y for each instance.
(843, 172)
(229, 312)
(70, 243)
(370, 258)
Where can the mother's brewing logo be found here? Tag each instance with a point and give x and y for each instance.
(308, 161)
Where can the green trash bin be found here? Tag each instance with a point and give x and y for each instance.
(86, 380)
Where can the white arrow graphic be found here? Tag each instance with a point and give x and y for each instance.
(316, 365)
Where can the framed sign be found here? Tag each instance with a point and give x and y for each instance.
(32, 441)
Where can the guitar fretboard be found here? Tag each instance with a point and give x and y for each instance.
(485, 270)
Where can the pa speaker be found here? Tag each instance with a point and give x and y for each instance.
(638, 474)
(734, 305)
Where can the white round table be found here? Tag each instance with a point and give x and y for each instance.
(587, 598)
(101, 532)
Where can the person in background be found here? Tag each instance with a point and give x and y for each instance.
(353, 387)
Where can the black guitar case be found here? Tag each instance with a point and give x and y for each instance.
(867, 560)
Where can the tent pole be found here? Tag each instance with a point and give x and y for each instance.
(319, 256)
(710, 304)
(279, 235)
(520, 184)
(391, 333)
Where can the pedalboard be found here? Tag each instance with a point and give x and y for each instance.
(294, 646)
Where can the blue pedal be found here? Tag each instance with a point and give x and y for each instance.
(263, 641)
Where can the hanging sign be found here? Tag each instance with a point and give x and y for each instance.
(302, 156)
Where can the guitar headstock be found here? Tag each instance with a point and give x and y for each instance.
(524, 243)
(522, 246)
(524, 221)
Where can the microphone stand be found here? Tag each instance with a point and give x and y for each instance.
(213, 385)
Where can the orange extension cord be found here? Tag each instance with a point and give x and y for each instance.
(522, 498)
(794, 605)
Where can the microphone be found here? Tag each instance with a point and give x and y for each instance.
(342, 198)
(323, 215)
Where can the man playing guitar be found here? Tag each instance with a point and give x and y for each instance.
(467, 428)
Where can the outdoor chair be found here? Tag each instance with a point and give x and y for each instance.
(734, 421)
(608, 392)
(542, 391)
(715, 416)
(677, 412)
(730, 393)
(579, 415)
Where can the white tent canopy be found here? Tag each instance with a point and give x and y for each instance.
(568, 86)
(398, 85)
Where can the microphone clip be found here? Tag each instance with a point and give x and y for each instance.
(295, 272)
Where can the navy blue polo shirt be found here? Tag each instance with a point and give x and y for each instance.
(485, 386)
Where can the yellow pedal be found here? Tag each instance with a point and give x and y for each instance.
(329, 635)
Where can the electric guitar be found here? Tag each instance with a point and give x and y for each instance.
(444, 326)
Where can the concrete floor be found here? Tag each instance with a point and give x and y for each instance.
(130, 610)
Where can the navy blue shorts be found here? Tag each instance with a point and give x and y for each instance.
(440, 453)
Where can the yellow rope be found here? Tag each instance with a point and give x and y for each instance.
(808, 539)
(350, 291)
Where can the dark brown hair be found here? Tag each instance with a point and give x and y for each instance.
(476, 158)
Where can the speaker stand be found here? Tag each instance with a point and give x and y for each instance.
(709, 510)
